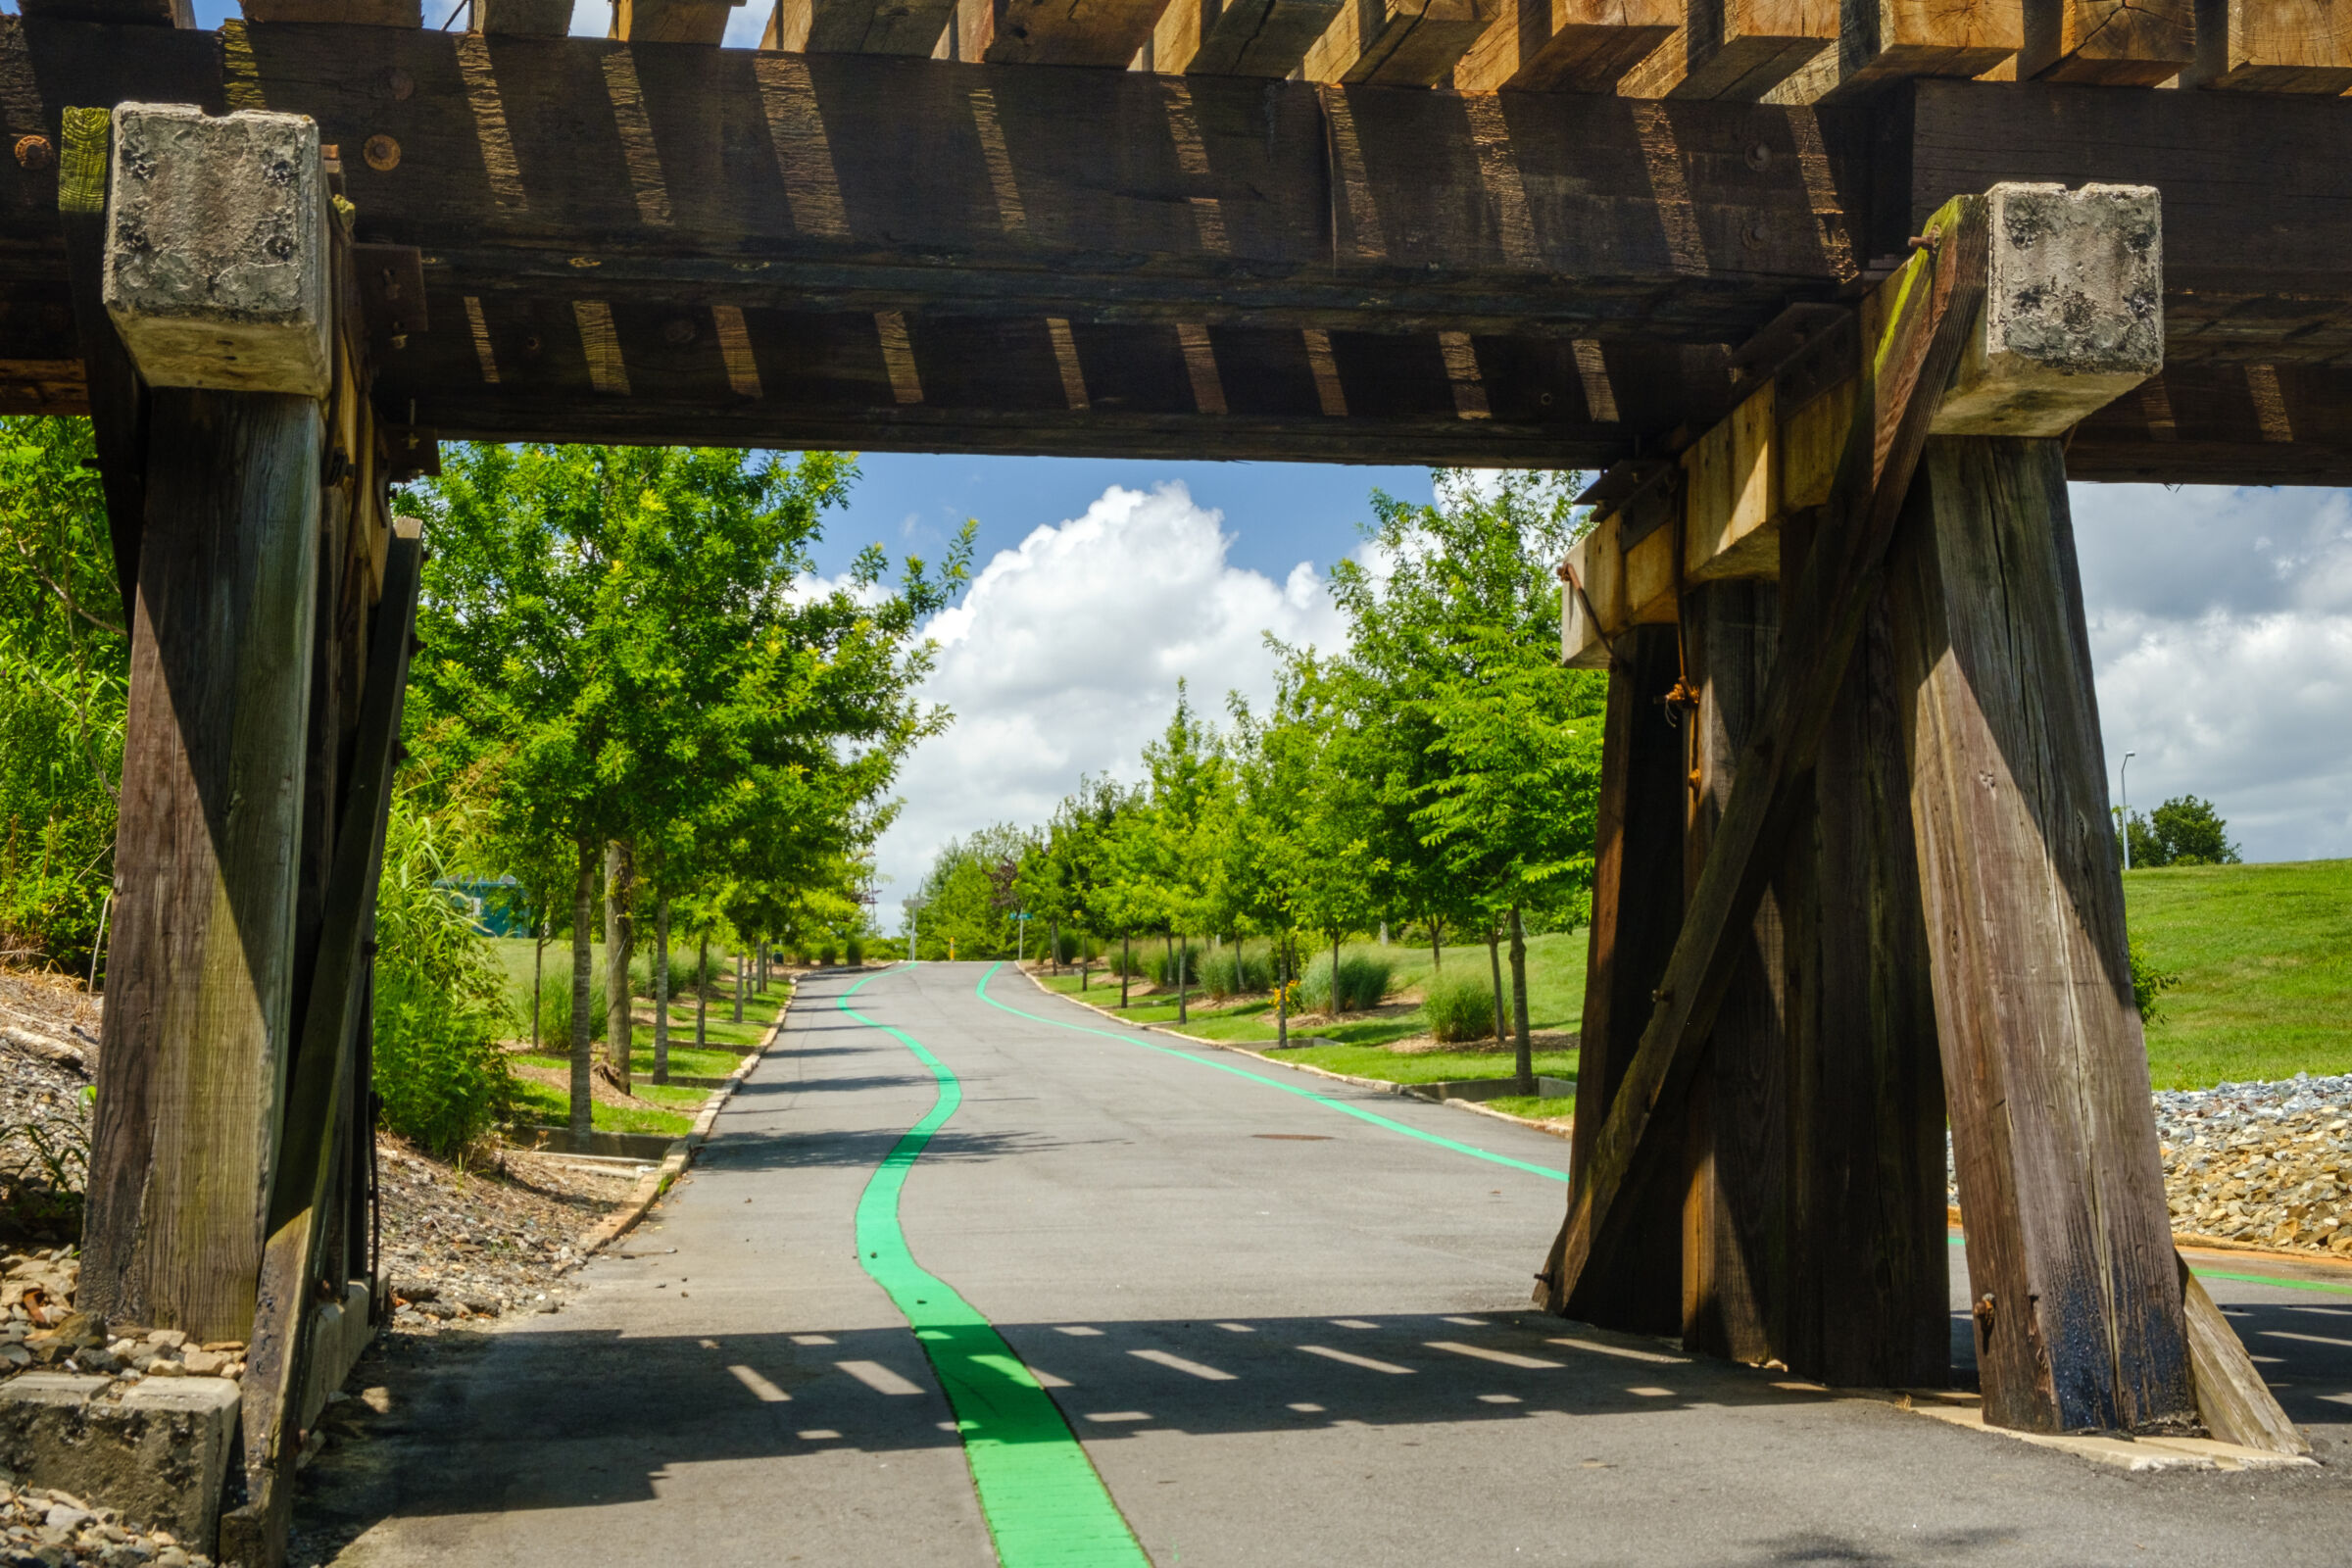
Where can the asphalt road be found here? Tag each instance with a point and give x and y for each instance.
(1283, 1334)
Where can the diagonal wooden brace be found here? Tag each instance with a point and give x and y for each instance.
(1918, 327)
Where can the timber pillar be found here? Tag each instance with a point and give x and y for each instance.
(1901, 892)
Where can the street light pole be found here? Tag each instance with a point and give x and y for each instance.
(2126, 773)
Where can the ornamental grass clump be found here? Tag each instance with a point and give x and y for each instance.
(1459, 1007)
(1231, 972)
(1363, 983)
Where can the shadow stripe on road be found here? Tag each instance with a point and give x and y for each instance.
(1044, 1504)
(1355, 1111)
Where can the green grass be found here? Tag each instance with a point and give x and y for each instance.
(544, 1105)
(2264, 954)
(1555, 996)
(1536, 1107)
(685, 1059)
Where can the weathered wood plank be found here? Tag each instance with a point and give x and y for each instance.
(118, 398)
(858, 26)
(152, 13)
(523, 19)
(1736, 1240)
(1053, 32)
(1636, 908)
(1886, 41)
(1919, 328)
(1397, 43)
(2112, 44)
(1868, 1300)
(317, 1095)
(349, 13)
(703, 22)
(1566, 45)
(1266, 39)
(2232, 1400)
(2273, 46)
(199, 966)
(2078, 1312)
(1737, 49)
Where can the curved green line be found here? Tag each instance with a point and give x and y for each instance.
(2246, 1279)
(1355, 1111)
(1045, 1505)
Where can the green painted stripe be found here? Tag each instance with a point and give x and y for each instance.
(1355, 1111)
(2245, 1278)
(1045, 1505)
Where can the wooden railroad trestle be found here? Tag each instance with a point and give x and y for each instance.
(1769, 264)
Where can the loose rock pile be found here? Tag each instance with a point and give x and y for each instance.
(460, 1245)
(53, 1528)
(2262, 1164)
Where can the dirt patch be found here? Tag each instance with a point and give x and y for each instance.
(486, 1239)
(1537, 1039)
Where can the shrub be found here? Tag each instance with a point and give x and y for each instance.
(1165, 964)
(1363, 983)
(1459, 1007)
(854, 950)
(825, 956)
(443, 1079)
(555, 1010)
(1231, 972)
(2147, 984)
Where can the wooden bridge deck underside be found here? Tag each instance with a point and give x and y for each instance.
(672, 242)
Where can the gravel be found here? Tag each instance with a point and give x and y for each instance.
(53, 1529)
(491, 1240)
(2255, 1165)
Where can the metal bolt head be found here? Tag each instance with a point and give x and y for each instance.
(35, 152)
(1759, 157)
(400, 84)
(678, 332)
(383, 154)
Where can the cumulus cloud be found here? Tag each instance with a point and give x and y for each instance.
(1064, 658)
(2221, 628)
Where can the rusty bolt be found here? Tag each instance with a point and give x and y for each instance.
(383, 154)
(1759, 157)
(402, 85)
(34, 152)
(678, 332)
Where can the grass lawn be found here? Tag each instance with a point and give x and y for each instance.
(1555, 996)
(1536, 1107)
(544, 1105)
(2264, 954)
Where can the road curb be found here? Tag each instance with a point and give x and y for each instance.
(655, 1182)
(1554, 1129)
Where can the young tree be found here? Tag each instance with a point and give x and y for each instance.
(2184, 831)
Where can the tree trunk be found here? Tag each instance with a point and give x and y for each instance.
(583, 975)
(538, 978)
(1282, 991)
(1437, 954)
(741, 958)
(702, 992)
(1054, 959)
(1126, 964)
(620, 939)
(661, 989)
(1495, 964)
(1527, 1047)
(201, 978)
(1334, 974)
(1184, 984)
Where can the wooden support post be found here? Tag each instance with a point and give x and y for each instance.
(117, 397)
(1868, 1292)
(1738, 49)
(1238, 37)
(1397, 43)
(2078, 1310)
(1637, 882)
(1886, 41)
(200, 967)
(1734, 1163)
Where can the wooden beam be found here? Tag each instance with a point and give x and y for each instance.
(1886, 41)
(2076, 1308)
(1566, 45)
(523, 19)
(858, 26)
(2232, 1400)
(254, 1535)
(1053, 32)
(1397, 43)
(703, 22)
(1734, 1157)
(2108, 43)
(1268, 38)
(116, 397)
(348, 13)
(1737, 49)
(139, 13)
(1637, 905)
(1917, 337)
(2273, 46)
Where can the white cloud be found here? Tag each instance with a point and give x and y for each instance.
(2221, 628)
(1064, 658)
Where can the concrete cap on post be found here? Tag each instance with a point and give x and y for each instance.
(2074, 310)
(215, 269)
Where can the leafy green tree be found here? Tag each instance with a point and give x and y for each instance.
(2184, 831)
(64, 669)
